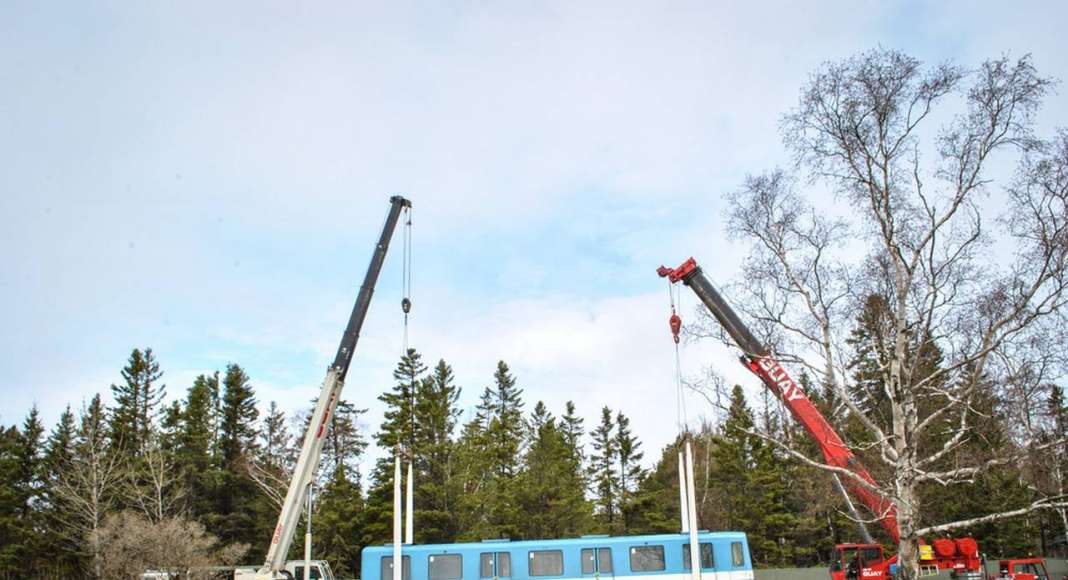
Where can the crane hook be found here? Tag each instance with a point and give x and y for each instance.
(406, 305)
(676, 325)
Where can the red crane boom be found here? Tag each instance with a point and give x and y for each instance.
(867, 559)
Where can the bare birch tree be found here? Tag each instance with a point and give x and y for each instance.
(89, 485)
(978, 278)
(154, 487)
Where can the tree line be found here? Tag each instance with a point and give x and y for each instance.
(110, 491)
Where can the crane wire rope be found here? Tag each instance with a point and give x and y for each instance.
(406, 275)
(681, 416)
(406, 307)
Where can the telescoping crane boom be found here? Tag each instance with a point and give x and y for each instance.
(865, 559)
(311, 450)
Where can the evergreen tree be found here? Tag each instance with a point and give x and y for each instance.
(656, 504)
(628, 457)
(15, 539)
(603, 470)
(732, 454)
(274, 446)
(397, 433)
(194, 460)
(472, 475)
(339, 522)
(572, 430)
(170, 428)
(503, 438)
(344, 444)
(30, 463)
(237, 500)
(503, 405)
(58, 454)
(488, 461)
(437, 490)
(60, 446)
(550, 492)
(398, 428)
(136, 402)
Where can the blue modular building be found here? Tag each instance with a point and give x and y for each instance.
(724, 556)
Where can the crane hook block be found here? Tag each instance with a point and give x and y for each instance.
(676, 325)
(406, 305)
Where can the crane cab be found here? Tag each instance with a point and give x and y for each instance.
(859, 562)
(1023, 569)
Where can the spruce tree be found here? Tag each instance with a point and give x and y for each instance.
(275, 441)
(239, 414)
(732, 452)
(488, 456)
(398, 428)
(550, 493)
(345, 443)
(397, 433)
(237, 499)
(137, 402)
(193, 459)
(170, 428)
(339, 521)
(603, 474)
(473, 476)
(437, 490)
(15, 542)
(628, 457)
(503, 435)
(656, 504)
(572, 430)
(60, 445)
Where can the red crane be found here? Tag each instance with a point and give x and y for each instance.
(852, 560)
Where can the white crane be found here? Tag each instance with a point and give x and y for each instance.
(275, 567)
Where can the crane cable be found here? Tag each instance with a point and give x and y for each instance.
(406, 275)
(675, 323)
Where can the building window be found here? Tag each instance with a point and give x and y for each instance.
(387, 568)
(604, 560)
(495, 565)
(588, 561)
(708, 561)
(547, 563)
(646, 558)
(737, 554)
(445, 567)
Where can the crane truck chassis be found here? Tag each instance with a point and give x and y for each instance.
(852, 561)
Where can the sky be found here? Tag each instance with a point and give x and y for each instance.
(208, 180)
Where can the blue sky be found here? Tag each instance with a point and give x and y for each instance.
(207, 179)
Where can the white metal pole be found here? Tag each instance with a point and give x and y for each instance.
(409, 510)
(397, 563)
(695, 548)
(684, 512)
(307, 536)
